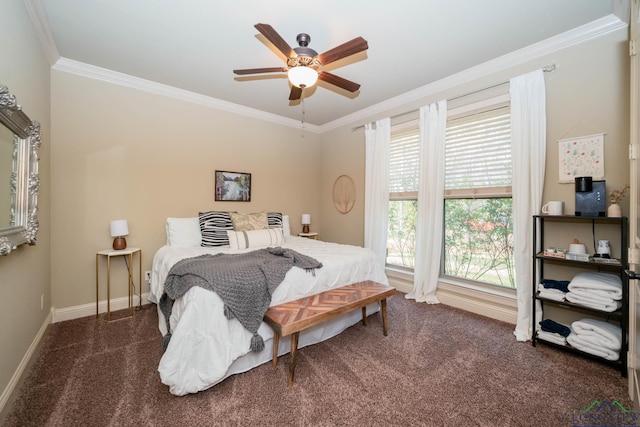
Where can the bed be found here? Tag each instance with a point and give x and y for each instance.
(205, 346)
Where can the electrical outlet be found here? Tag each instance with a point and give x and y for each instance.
(42, 302)
(147, 276)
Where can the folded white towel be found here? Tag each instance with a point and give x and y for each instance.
(608, 284)
(582, 345)
(541, 288)
(589, 302)
(552, 337)
(598, 332)
(552, 295)
(594, 295)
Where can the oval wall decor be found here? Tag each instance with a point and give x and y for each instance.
(344, 194)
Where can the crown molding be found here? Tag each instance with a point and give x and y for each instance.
(584, 33)
(97, 73)
(578, 35)
(41, 24)
(43, 31)
(622, 9)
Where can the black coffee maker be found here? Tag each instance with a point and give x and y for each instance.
(591, 197)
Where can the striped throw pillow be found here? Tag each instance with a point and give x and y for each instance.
(255, 238)
(214, 226)
(274, 219)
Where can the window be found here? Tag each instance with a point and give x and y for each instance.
(403, 197)
(478, 227)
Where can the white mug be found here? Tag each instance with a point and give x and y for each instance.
(554, 207)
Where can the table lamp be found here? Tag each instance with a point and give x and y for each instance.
(119, 229)
(306, 220)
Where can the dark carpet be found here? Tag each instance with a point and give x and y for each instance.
(439, 366)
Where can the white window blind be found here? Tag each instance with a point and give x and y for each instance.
(478, 150)
(404, 161)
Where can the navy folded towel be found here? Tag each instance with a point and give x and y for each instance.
(549, 325)
(562, 285)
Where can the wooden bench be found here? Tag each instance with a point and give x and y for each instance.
(292, 317)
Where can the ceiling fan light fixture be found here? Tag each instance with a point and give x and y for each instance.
(302, 76)
(303, 62)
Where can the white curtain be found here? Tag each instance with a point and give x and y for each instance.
(528, 148)
(376, 195)
(433, 125)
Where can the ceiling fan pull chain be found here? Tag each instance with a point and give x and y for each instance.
(302, 117)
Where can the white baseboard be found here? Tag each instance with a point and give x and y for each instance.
(489, 305)
(635, 392)
(59, 315)
(474, 301)
(24, 363)
(84, 310)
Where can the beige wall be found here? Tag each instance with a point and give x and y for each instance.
(115, 152)
(587, 93)
(121, 153)
(343, 153)
(24, 274)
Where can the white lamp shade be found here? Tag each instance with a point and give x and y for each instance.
(302, 76)
(306, 219)
(119, 228)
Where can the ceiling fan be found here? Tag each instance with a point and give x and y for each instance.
(304, 65)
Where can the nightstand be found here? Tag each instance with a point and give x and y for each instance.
(313, 236)
(128, 258)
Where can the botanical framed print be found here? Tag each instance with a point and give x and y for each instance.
(232, 186)
(582, 156)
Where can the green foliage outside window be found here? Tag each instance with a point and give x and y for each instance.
(478, 240)
(401, 239)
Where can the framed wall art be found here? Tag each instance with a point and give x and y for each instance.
(582, 156)
(232, 186)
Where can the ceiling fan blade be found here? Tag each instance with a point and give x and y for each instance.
(346, 49)
(339, 81)
(295, 94)
(275, 38)
(260, 70)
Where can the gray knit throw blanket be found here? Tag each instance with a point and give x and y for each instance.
(244, 282)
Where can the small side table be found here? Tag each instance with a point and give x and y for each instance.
(313, 236)
(110, 253)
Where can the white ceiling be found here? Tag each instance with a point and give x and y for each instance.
(193, 45)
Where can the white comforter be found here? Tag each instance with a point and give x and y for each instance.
(206, 347)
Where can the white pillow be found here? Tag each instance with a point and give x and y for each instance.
(286, 228)
(255, 238)
(183, 232)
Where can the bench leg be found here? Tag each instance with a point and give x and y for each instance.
(292, 359)
(364, 316)
(276, 340)
(383, 306)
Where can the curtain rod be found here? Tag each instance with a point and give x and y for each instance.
(546, 69)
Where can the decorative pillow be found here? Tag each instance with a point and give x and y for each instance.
(274, 219)
(255, 238)
(183, 232)
(214, 226)
(286, 227)
(252, 221)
